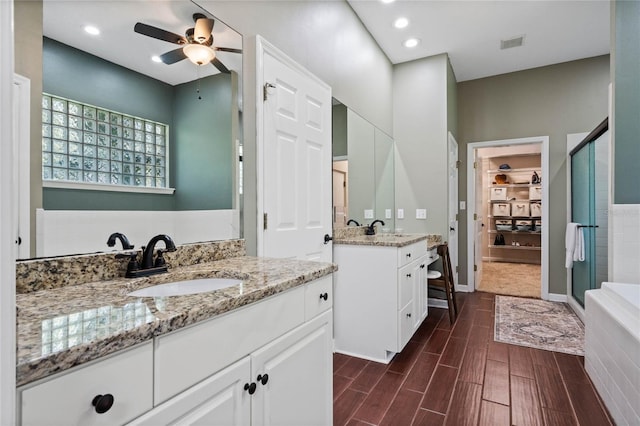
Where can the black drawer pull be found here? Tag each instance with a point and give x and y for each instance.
(263, 378)
(324, 296)
(251, 388)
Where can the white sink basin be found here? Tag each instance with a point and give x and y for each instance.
(182, 288)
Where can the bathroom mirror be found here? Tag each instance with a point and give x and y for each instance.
(363, 170)
(113, 70)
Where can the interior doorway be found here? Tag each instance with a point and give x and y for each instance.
(340, 193)
(507, 237)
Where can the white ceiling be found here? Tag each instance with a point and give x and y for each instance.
(64, 20)
(470, 32)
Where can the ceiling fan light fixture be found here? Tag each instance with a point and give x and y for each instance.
(156, 58)
(199, 54)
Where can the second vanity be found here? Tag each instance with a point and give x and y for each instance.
(255, 353)
(380, 292)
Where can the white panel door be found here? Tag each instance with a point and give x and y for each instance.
(294, 377)
(296, 162)
(453, 205)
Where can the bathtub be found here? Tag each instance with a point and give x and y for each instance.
(612, 348)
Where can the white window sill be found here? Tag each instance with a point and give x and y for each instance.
(105, 187)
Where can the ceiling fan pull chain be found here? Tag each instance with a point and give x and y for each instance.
(198, 83)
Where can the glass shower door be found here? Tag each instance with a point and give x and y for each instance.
(583, 212)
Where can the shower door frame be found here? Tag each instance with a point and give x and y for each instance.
(575, 141)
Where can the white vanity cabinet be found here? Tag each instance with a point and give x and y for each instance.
(380, 298)
(279, 357)
(267, 363)
(66, 399)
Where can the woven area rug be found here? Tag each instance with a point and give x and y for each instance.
(538, 324)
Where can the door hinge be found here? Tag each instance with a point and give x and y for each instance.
(475, 216)
(475, 164)
(457, 269)
(264, 221)
(458, 164)
(344, 184)
(265, 90)
(456, 217)
(475, 268)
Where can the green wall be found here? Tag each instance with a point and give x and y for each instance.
(200, 161)
(552, 101)
(626, 126)
(203, 163)
(339, 130)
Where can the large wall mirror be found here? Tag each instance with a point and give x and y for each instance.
(114, 71)
(363, 170)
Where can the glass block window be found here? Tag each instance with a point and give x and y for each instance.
(85, 143)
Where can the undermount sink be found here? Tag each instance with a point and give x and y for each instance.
(183, 288)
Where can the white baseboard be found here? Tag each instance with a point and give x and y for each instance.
(555, 297)
(463, 288)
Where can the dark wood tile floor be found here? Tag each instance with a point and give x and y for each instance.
(457, 375)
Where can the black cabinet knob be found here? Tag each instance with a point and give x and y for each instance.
(327, 238)
(408, 254)
(102, 403)
(251, 388)
(263, 378)
(422, 266)
(324, 296)
(408, 275)
(409, 315)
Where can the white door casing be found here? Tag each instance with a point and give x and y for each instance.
(7, 224)
(472, 191)
(478, 224)
(453, 205)
(294, 150)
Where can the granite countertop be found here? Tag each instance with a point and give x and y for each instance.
(387, 240)
(63, 327)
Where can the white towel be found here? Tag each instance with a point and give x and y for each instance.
(574, 244)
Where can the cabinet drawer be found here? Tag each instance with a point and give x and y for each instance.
(499, 194)
(318, 297)
(408, 254)
(218, 342)
(405, 323)
(535, 193)
(67, 398)
(405, 285)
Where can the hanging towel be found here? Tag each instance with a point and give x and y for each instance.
(574, 244)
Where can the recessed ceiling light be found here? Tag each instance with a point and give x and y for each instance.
(411, 42)
(401, 23)
(156, 59)
(387, 1)
(92, 30)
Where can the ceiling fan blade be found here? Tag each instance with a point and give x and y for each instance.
(158, 33)
(228, 49)
(216, 63)
(203, 29)
(173, 56)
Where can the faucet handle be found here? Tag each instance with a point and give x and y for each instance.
(159, 258)
(133, 264)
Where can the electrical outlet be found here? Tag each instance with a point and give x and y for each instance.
(421, 213)
(368, 214)
(400, 213)
(387, 214)
(463, 205)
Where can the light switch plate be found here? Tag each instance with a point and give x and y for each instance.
(421, 213)
(400, 213)
(387, 214)
(463, 205)
(368, 214)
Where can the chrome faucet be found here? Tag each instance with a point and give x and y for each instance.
(126, 245)
(147, 253)
(371, 229)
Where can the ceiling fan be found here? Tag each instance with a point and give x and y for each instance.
(197, 43)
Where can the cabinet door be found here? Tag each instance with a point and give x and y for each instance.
(421, 289)
(299, 366)
(219, 400)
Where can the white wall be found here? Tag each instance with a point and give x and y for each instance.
(420, 133)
